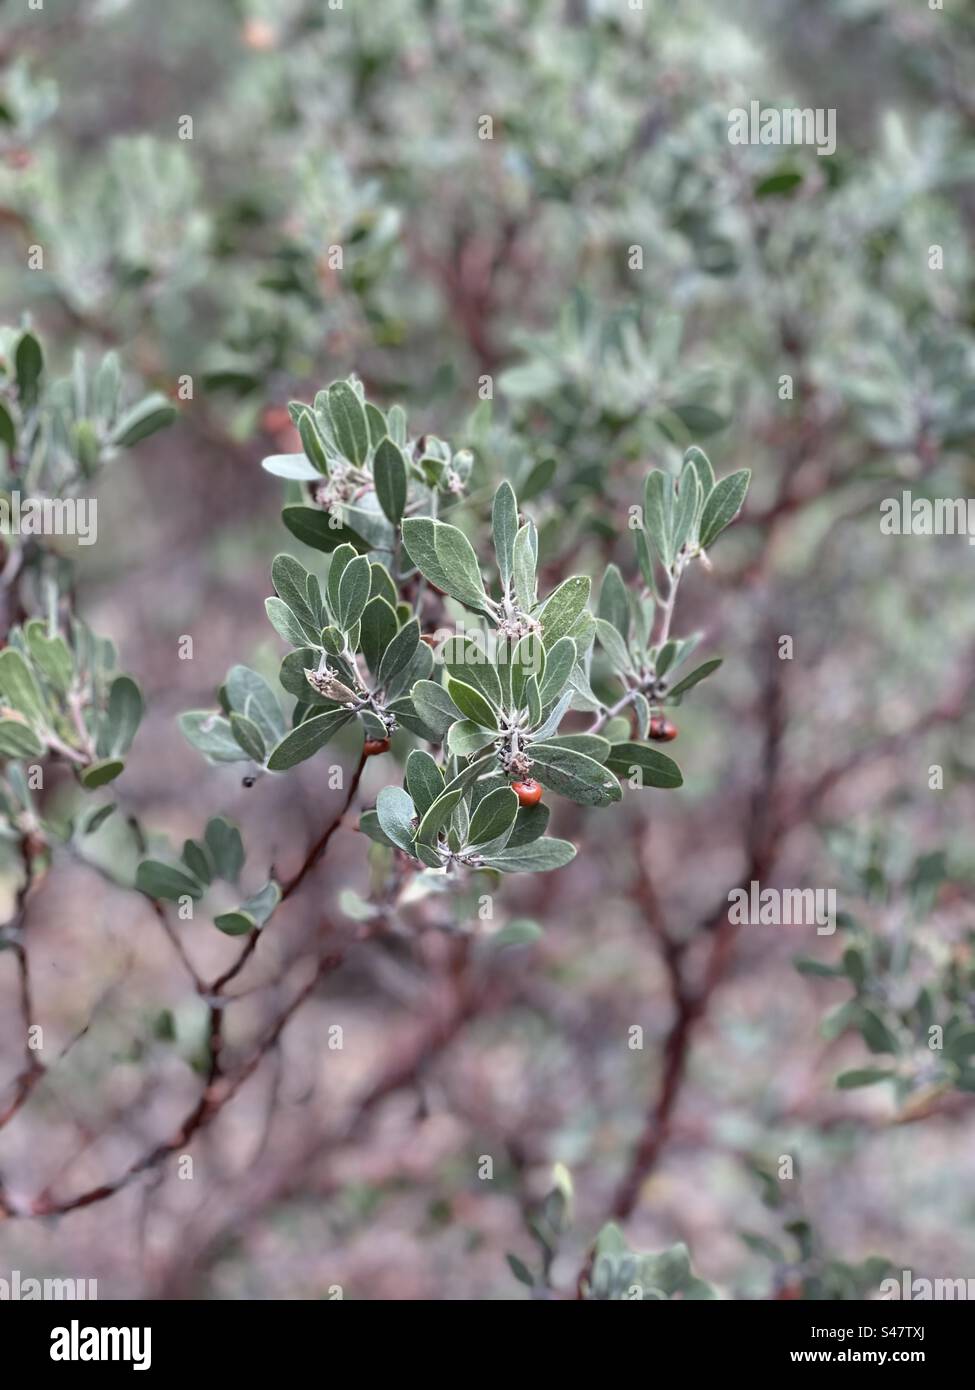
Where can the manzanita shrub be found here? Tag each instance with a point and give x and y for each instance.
(497, 700)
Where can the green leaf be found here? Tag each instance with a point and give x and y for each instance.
(574, 775)
(18, 740)
(211, 735)
(523, 564)
(307, 739)
(465, 659)
(435, 817)
(294, 467)
(320, 530)
(353, 592)
(377, 631)
(654, 767)
(538, 857)
(698, 674)
(494, 816)
(29, 364)
(530, 824)
(614, 647)
(435, 707)
(614, 603)
(518, 1268)
(863, 1076)
(504, 523)
(50, 655)
(8, 434)
(593, 745)
(701, 464)
(563, 607)
(559, 661)
(723, 506)
(389, 474)
(312, 443)
(400, 652)
(169, 881)
(349, 424)
(197, 860)
(686, 510)
(472, 703)
(396, 813)
(226, 848)
(251, 914)
(284, 622)
(424, 780)
(99, 773)
(290, 580)
(124, 713)
(875, 1032)
(248, 735)
(18, 688)
(149, 415)
(249, 694)
(419, 542)
(456, 555)
(520, 931)
(658, 507)
(465, 738)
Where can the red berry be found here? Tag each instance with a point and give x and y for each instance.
(662, 730)
(528, 793)
(372, 746)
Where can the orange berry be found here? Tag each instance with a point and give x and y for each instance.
(529, 793)
(373, 746)
(662, 730)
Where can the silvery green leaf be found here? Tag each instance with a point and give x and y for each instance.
(494, 817)
(472, 703)
(641, 708)
(655, 769)
(686, 510)
(389, 475)
(252, 914)
(526, 660)
(353, 592)
(248, 735)
(705, 473)
(197, 860)
(434, 706)
(563, 607)
(658, 507)
(555, 716)
(295, 467)
(169, 881)
(377, 630)
(559, 661)
(538, 857)
(284, 622)
(665, 658)
(312, 442)
(321, 530)
(435, 817)
(614, 603)
(593, 745)
(306, 739)
(348, 419)
(249, 694)
(400, 652)
(504, 521)
(210, 733)
(614, 647)
(465, 738)
(124, 714)
(574, 775)
(466, 659)
(396, 813)
(226, 848)
(723, 505)
(290, 580)
(530, 824)
(698, 674)
(424, 780)
(523, 566)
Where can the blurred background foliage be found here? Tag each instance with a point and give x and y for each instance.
(507, 266)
